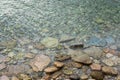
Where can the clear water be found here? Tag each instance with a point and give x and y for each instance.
(83, 18)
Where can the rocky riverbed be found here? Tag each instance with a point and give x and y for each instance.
(59, 40)
(52, 60)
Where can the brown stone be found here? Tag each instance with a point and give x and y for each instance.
(62, 57)
(118, 77)
(95, 66)
(51, 69)
(109, 70)
(97, 75)
(40, 62)
(76, 64)
(56, 74)
(29, 55)
(4, 77)
(14, 78)
(58, 64)
(106, 50)
(45, 77)
(74, 77)
(84, 77)
(39, 46)
(2, 66)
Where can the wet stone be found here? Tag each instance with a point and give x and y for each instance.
(74, 77)
(109, 70)
(76, 64)
(2, 66)
(97, 75)
(40, 62)
(56, 74)
(94, 52)
(51, 69)
(58, 64)
(4, 77)
(14, 78)
(108, 62)
(84, 77)
(62, 57)
(95, 66)
(68, 71)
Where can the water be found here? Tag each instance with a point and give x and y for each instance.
(78, 18)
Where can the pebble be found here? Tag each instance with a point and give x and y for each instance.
(2, 66)
(97, 75)
(95, 66)
(50, 69)
(94, 52)
(108, 62)
(62, 57)
(118, 77)
(4, 77)
(74, 77)
(108, 55)
(109, 70)
(58, 64)
(14, 78)
(39, 62)
(84, 77)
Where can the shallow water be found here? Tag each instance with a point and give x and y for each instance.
(36, 19)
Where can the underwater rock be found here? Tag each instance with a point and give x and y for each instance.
(94, 52)
(50, 42)
(40, 62)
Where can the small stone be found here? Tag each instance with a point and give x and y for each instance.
(58, 64)
(108, 62)
(45, 77)
(29, 55)
(109, 70)
(24, 77)
(56, 74)
(40, 62)
(39, 46)
(118, 77)
(14, 78)
(62, 57)
(79, 56)
(51, 69)
(95, 66)
(108, 55)
(94, 52)
(76, 64)
(106, 50)
(50, 42)
(2, 66)
(84, 77)
(113, 47)
(68, 71)
(11, 54)
(4, 77)
(34, 51)
(74, 77)
(9, 44)
(97, 75)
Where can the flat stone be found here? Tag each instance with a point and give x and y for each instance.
(97, 75)
(108, 62)
(74, 77)
(94, 52)
(24, 77)
(16, 69)
(95, 66)
(10, 44)
(40, 62)
(84, 77)
(109, 70)
(4, 77)
(108, 55)
(118, 77)
(14, 78)
(79, 56)
(50, 69)
(39, 46)
(50, 42)
(29, 55)
(62, 57)
(56, 74)
(2, 66)
(76, 64)
(58, 64)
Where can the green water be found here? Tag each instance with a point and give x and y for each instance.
(84, 18)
